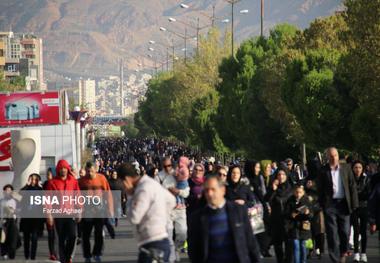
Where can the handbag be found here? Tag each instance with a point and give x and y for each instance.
(256, 218)
(306, 225)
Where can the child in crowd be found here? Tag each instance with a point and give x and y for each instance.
(299, 215)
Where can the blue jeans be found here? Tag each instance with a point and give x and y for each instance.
(162, 245)
(299, 251)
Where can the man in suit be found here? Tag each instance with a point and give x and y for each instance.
(221, 232)
(338, 198)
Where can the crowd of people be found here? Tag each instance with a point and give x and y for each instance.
(185, 202)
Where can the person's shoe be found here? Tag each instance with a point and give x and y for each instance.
(53, 257)
(363, 257)
(356, 257)
(87, 260)
(79, 241)
(5, 257)
(97, 259)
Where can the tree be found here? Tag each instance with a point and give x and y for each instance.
(310, 94)
(169, 108)
(15, 84)
(249, 119)
(361, 70)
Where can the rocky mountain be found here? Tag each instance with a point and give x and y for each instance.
(89, 37)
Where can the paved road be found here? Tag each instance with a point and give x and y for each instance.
(123, 248)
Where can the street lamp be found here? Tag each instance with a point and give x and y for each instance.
(184, 37)
(197, 28)
(262, 19)
(167, 51)
(212, 17)
(245, 11)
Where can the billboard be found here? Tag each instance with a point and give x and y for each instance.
(29, 108)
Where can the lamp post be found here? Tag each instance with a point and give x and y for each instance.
(172, 47)
(198, 28)
(185, 37)
(213, 18)
(262, 19)
(245, 11)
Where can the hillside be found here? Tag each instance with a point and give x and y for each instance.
(88, 37)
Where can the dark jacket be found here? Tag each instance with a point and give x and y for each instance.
(318, 221)
(295, 227)
(373, 205)
(325, 187)
(196, 199)
(247, 248)
(362, 186)
(30, 224)
(258, 186)
(277, 201)
(240, 191)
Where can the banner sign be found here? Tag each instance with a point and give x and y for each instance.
(29, 108)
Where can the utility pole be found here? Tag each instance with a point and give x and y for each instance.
(173, 55)
(167, 59)
(198, 29)
(185, 44)
(213, 16)
(121, 87)
(262, 19)
(232, 2)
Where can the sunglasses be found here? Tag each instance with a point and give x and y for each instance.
(199, 170)
(222, 175)
(167, 166)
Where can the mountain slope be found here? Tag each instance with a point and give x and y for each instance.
(88, 37)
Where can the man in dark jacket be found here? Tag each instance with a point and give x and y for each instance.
(221, 232)
(374, 209)
(339, 198)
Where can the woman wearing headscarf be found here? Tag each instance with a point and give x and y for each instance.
(252, 170)
(238, 190)
(195, 200)
(277, 196)
(31, 226)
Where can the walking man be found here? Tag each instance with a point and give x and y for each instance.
(149, 207)
(221, 232)
(338, 198)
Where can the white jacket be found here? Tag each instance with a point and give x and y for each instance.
(149, 208)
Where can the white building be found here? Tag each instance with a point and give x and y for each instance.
(87, 95)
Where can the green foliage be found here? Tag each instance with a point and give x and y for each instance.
(249, 88)
(310, 94)
(319, 86)
(182, 103)
(15, 84)
(361, 70)
(130, 130)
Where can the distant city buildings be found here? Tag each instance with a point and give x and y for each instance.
(87, 95)
(21, 55)
(101, 97)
